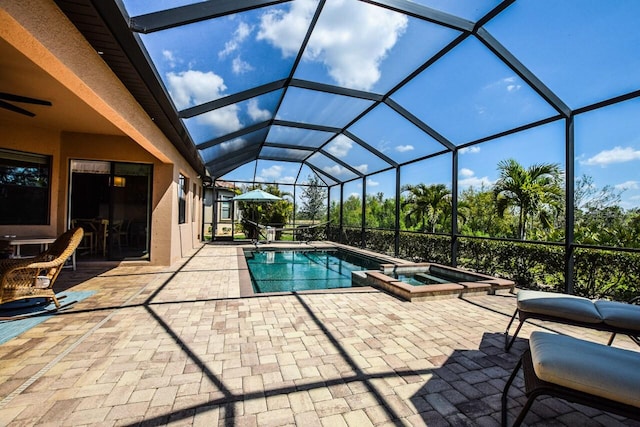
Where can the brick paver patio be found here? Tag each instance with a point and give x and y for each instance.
(178, 346)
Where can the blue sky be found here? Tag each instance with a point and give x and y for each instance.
(585, 51)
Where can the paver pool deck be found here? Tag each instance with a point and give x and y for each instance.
(179, 346)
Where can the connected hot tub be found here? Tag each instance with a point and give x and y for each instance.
(420, 281)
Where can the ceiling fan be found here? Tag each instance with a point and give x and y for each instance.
(4, 97)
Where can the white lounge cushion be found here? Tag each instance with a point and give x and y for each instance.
(597, 369)
(42, 282)
(619, 314)
(564, 306)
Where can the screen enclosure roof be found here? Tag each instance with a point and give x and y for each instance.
(271, 91)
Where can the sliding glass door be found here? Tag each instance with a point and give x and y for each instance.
(112, 202)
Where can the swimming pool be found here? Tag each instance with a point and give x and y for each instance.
(296, 270)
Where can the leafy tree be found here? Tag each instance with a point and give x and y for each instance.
(314, 197)
(381, 212)
(477, 214)
(599, 218)
(352, 211)
(587, 197)
(532, 192)
(426, 205)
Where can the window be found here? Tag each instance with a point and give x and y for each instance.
(24, 188)
(225, 207)
(182, 199)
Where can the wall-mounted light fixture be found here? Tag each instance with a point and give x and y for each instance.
(119, 181)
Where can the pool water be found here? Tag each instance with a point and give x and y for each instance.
(419, 279)
(291, 271)
(433, 276)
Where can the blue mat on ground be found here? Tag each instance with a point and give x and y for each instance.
(12, 328)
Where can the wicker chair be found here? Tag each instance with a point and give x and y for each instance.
(34, 277)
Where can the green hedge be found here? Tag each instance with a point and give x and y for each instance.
(597, 273)
(607, 274)
(531, 266)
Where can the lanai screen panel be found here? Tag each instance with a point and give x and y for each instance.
(281, 153)
(584, 51)
(233, 147)
(232, 118)
(353, 154)
(470, 94)
(320, 108)
(276, 172)
(395, 136)
(471, 10)
(360, 46)
(214, 58)
(298, 136)
(334, 169)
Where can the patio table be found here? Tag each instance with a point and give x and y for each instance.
(44, 242)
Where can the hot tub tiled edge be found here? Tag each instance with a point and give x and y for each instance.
(483, 285)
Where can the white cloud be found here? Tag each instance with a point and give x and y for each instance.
(272, 172)
(615, 155)
(362, 168)
(188, 88)
(286, 30)
(335, 170)
(475, 181)
(356, 195)
(223, 119)
(233, 145)
(168, 56)
(372, 183)
(193, 87)
(470, 180)
(351, 39)
(509, 83)
(466, 172)
(628, 185)
(340, 146)
(471, 150)
(239, 35)
(404, 148)
(256, 113)
(287, 180)
(238, 66)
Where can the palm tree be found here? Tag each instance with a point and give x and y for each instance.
(535, 191)
(426, 204)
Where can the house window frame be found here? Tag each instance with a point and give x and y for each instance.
(31, 160)
(183, 188)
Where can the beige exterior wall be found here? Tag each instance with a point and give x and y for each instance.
(39, 31)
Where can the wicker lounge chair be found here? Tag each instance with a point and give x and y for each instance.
(25, 278)
(588, 373)
(602, 315)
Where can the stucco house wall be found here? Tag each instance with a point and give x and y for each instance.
(122, 130)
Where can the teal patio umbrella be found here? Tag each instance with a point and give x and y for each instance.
(256, 196)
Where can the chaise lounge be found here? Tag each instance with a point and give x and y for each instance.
(588, 373)
(602, 315)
